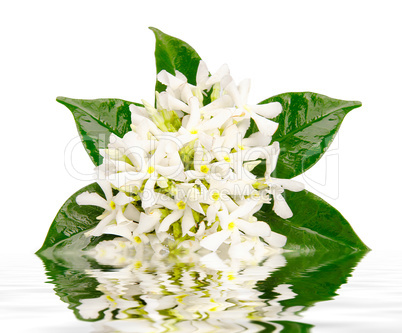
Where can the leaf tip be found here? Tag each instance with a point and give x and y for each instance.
(156, 31)
(61, 99)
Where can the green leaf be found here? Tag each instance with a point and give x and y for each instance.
(307, 127)
(173, 54)
(96, 119)
(70, 224)
(315, 225)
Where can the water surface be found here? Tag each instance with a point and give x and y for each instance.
(280, 293)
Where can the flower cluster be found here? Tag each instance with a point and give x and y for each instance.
(183, 176)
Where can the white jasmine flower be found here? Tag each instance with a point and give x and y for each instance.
(259, 113)
(182, 208)
(232, 225)
(113, 206)
(277, 186)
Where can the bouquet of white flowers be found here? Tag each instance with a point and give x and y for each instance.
(202, 169)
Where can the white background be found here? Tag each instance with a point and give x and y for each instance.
(92, 49)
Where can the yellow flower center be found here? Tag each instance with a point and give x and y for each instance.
(241, 147)
(181, 204)
(204, 169)
(215, 196)
(151, 169)
(137, 240)
(231, 226)
(227, 158)
(112, 205)
(193, 131)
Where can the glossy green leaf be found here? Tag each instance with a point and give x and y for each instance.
(70, 224)
(307, 126)
(96, 119)
(315, 225)
(173, 54)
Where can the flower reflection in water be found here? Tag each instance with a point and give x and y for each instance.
(187, 292)
(124, 291)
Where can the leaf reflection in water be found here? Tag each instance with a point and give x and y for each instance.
(128, 292)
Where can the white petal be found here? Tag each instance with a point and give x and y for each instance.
(213, 241)
(121, 199)
(192, 174)
(196, 206)
(180, 76)
(122, 178)
(221, 103)
(92, 199)
(202, 73)
(244, 89)
(201, 229)
(230, 87)
(187, 221)
(148, 197)
(171, 218)
(98, 230)
(169, 102)
(243, 210)
(241, 250)
(257, 139)
(272, 159)
(291, 185)
(173, 172)
(194, 114)
(220, 73)
(211, 214)
(254, 229)
(269, 110)
(281, 208)
(216, 121)
(120, 218)
(243, 126)
(139, 111)
(206, 141)
(249, 166)
(132, 213)
(119, 230)
(169, 80)
(276, 240)
(185, 94)
(106, 188)
(145, 123)
(147, 223)
(165, 201)
(265, 126)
